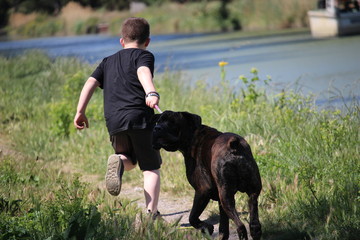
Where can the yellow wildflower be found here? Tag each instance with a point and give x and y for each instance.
(241, 77)
(222, 63)
(254, 70)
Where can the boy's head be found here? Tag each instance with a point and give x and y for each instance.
(135, 30)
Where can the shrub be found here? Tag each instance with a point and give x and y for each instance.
(89, 26)
(62, 112)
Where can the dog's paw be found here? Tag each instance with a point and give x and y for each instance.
(223, 236)
(255, 231)
(242, 233)
(207, 228)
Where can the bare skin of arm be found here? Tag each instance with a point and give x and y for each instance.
(145, 77)
(80, 120)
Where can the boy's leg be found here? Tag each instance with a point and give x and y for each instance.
(128, 164)
(152, 189)
(122, 144)
(149, 161)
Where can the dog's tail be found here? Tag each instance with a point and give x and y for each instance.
(239, 146)
(244, 163)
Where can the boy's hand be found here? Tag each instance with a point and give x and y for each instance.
(80, 121)
(151, 101)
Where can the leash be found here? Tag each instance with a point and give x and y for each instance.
(158, 109)
(182, 228)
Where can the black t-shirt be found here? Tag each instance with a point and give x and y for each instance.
(124, 96)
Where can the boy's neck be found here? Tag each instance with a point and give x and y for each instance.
(134, 44)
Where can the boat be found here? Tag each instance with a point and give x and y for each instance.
(335, 18)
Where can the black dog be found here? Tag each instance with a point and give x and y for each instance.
(217, 166)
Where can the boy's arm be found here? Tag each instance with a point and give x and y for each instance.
(145, 77)
(80, 120)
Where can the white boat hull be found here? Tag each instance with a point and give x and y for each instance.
(329, 24)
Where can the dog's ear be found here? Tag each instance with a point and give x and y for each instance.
(154, 119)
(192, 118)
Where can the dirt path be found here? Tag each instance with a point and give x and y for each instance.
(172, 208)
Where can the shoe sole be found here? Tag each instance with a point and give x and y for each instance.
(112, 177)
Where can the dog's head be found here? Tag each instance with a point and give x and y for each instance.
(172, 130)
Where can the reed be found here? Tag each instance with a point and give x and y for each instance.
(168, 17)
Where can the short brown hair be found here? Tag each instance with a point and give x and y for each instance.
(135, 29)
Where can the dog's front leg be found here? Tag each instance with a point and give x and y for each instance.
(199, 204)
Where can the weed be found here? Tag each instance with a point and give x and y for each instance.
(251, 92)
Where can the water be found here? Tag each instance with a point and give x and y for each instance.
(329, 68)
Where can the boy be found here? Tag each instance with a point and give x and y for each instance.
(129, 98)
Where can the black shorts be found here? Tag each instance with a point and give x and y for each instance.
(137, 144)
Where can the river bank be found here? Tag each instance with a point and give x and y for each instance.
(165, 18)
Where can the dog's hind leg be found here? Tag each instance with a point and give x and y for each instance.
(228, 204)
(224, 224)
(199, 204)
(255, 226)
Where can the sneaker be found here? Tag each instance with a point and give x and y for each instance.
(113, 174)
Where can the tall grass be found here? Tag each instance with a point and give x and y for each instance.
(168, 17)
(273, 14)
(243, 14)
(43, 25)
(308, 158)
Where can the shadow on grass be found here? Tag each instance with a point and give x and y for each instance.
(286, 234)
(268, 234)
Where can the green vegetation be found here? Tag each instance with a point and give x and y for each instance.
(173, 17)
(42, 195)
(308, 158)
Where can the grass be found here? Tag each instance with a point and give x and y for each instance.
(308, 158)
